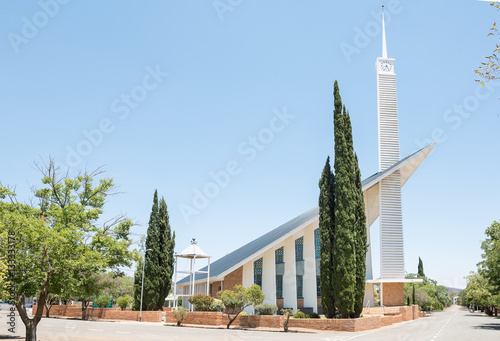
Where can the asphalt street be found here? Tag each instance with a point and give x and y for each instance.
(456, 324)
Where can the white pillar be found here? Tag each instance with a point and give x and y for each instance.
(289, 278)
(175, 283)
(208, 277)
(309, 279)
(269, 276)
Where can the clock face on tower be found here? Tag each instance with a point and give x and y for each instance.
(386, 66)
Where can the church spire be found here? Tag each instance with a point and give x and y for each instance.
(384, 44)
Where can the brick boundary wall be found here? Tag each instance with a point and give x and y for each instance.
(75, 311)
(274, 321)
(218, 319)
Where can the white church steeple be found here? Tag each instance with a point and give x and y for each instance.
(384, 43)
(391, 217)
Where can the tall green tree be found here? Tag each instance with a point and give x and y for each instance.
(152, 271)
(327, 231)
(158, 268)
(489, 267)
(61, 238)
(420, 270)
(166, 252)
(361, 242)
(136, 303)
(344, 253)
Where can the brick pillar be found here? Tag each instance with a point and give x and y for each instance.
(393, 294)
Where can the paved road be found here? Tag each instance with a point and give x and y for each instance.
(456, 324)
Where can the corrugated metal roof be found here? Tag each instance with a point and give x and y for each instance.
(228, 261)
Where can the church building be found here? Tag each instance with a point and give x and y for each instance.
(285, 261)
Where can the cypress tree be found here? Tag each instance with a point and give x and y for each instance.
(327, 231)
(344, 255)
(152, 270)
(137, 286)
(420, 268)
(360, 241)
(166, 253)
(413, 295)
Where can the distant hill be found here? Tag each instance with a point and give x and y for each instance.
(458, 291)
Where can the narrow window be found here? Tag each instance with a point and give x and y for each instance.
(300, 285)
(257, 272)
(299, 249)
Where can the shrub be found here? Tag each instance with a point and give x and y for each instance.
(313, 316)
(243, 313)
(216, 303)
(180, 314)
(124, 301)
(286, 312)
(103, 301)
(265, 309)
(299, 315)
(202, 302)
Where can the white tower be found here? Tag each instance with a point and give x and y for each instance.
(391, 220)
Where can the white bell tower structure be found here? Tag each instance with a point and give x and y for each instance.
(391, 219)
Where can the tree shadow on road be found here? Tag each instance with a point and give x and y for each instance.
(10, 337)
(488, 326)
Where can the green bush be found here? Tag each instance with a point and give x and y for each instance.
(299, 315)
(265, 309)
(102, 301)
(202, 302)
(313, 316)
(243, 313)
(216, 303)
(124, 301)
(180, 314)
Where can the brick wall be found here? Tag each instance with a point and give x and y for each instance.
(393, 294)
(254, 321)
(416, 315)
(234, 278)
(75, 311)
(280, 304)
(215, 288)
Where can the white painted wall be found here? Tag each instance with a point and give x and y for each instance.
(309, 290)
(269, 276)
(289, 279)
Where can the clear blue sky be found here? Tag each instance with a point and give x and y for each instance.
(179, 88)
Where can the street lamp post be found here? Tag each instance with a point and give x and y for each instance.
(142, 285)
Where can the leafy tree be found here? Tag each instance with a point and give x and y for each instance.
(490, 68)
(3, 261)
(420, 271)
(51, 300)
(489, 267)
(327, 231)
(124, 301)
(103, 300)
(116, 285)
(61, 239)
(236, 300)
(427, 294)
(344, 252)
